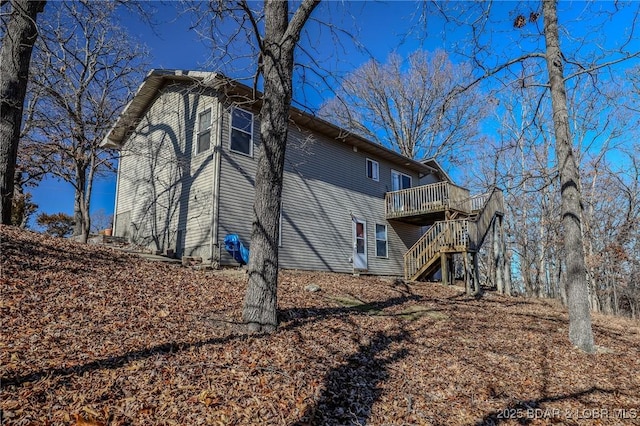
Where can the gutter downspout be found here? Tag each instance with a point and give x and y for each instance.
(115, 207)
(215, 187)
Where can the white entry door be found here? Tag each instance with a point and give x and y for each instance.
(399, 181)
(359, 244)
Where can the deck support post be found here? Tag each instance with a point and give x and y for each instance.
(472, 274)
(500, 267)
(467, 275)
(477, 290)
(444, 268)
(476, 270)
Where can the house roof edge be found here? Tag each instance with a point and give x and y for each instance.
(156, 78)
(137, 106)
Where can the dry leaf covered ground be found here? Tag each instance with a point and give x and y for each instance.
(91, 336)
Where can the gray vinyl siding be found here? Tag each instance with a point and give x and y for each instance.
(428, 179)
(165, 191)
(237, 181)
(325, 183)
(164, 188)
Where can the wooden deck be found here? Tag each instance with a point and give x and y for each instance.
(427, 202)
(453, 236)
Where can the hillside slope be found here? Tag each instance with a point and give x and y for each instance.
(92, 336)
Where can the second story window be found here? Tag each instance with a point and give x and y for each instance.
(241, 131)
(373, 170)
(203, 142)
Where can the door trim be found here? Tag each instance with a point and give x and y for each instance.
(360, 260)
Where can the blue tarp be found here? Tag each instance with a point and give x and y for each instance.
(236, 249)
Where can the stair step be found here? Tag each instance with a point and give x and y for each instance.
(426, 268)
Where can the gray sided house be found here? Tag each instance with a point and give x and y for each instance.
(189, 144)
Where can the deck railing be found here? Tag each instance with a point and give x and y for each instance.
(478, 201)
(427, 199)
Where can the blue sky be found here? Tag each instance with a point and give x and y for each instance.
(381, 27)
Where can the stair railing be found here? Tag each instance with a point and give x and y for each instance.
(443, 235)
(493, 205)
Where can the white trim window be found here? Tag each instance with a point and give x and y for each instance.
(373, 170)
(382, 243)
(203, 138)
(241, 135)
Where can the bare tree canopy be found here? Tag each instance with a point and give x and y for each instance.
(19, 34)
(413, 108)
(521, 159)
(552, 53)
(85, 70)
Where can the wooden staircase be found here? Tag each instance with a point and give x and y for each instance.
(453, 236)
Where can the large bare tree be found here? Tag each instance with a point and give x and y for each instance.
(412, 107)
(87, 70)
(264, 40)
(277, 48)
(19, 33)
(503, 37)
(580, 333)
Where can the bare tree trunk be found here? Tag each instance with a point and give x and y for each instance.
(21, 206)
(614, 297)
(80, 205)
(472, 274)
(15, 56)
(507, 271)
(503, 277)
(82, 199)
(498, 254)
(277, 47)
(87, 199)
(81, 215)
(580, 332)
(77, 213)
(542, 267)
(562, 283)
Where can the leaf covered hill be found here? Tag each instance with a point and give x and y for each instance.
(91, 336)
